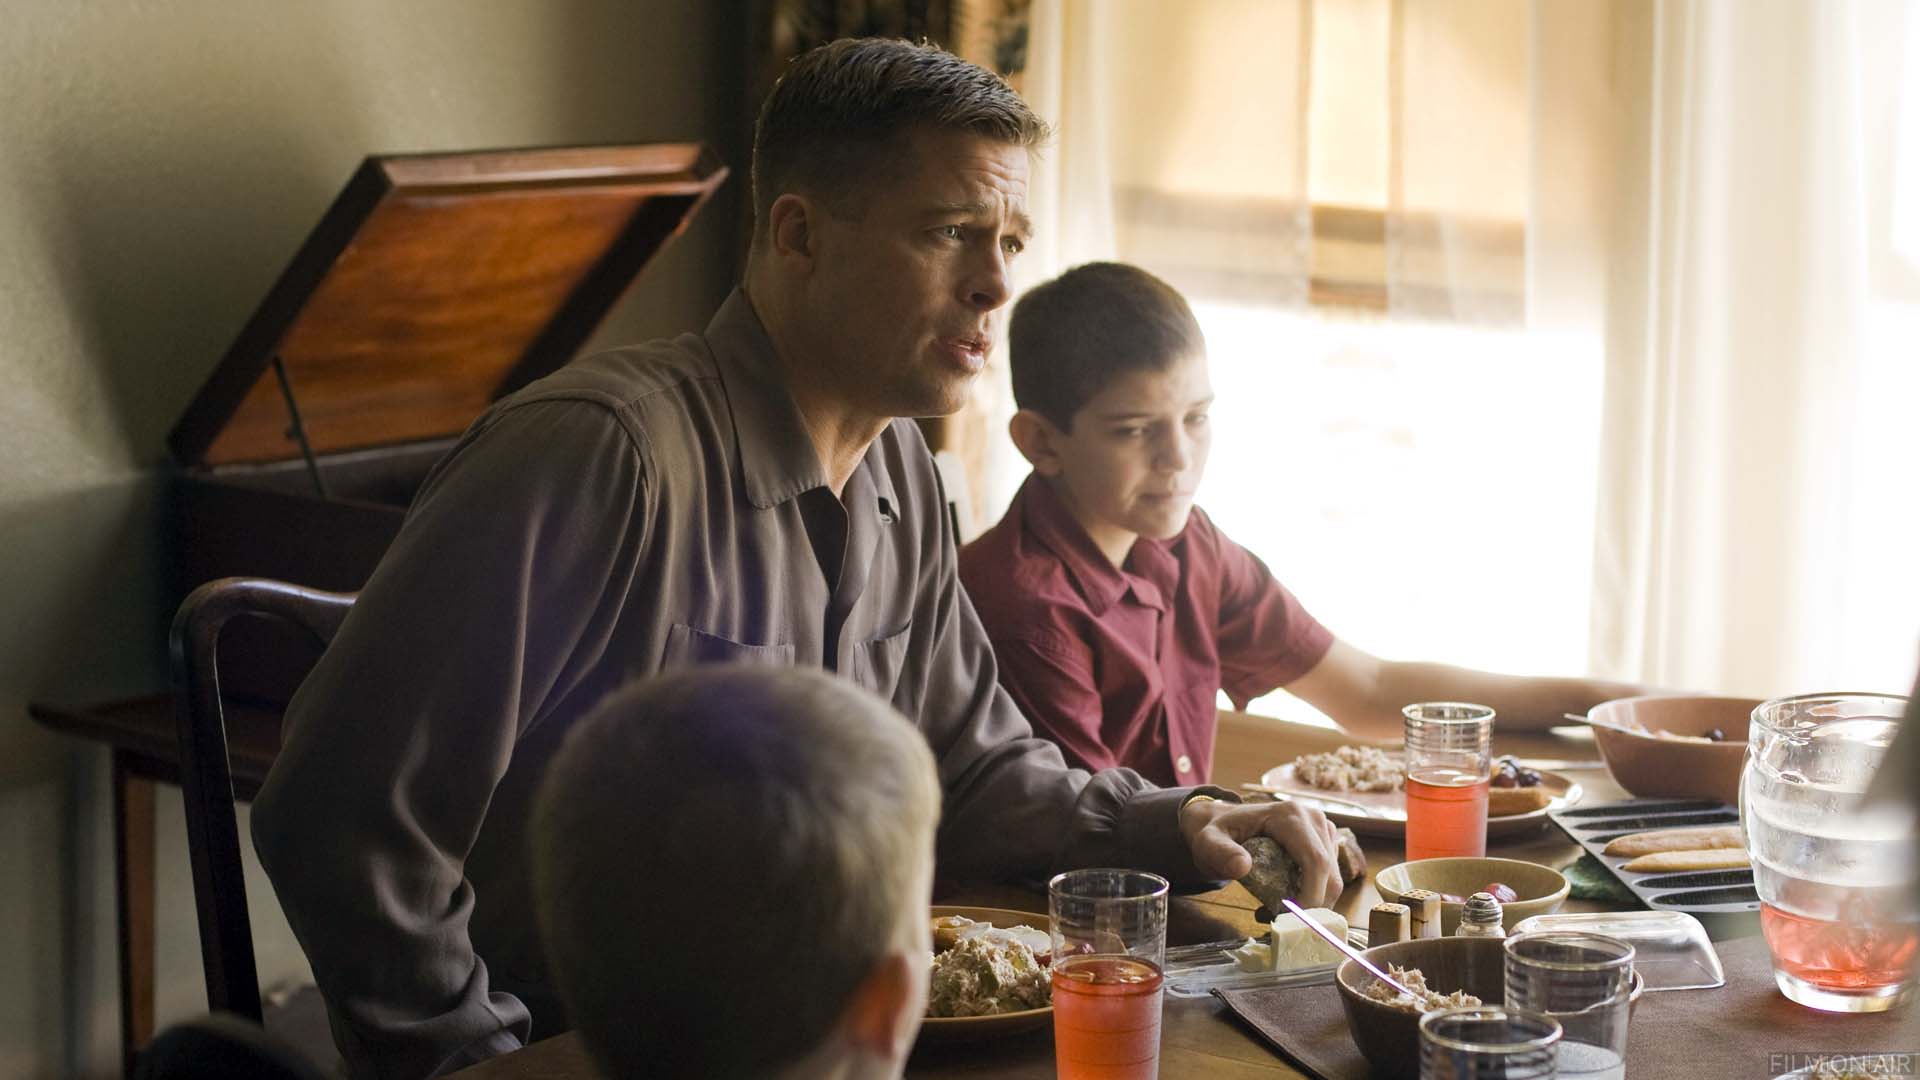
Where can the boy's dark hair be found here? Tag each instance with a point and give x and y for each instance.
(1071, 337)
(830, 123)
(720, 856)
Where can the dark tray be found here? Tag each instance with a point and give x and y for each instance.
(1697, 892)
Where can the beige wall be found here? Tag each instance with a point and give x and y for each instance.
(159, 161)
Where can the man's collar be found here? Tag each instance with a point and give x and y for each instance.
(777, 459)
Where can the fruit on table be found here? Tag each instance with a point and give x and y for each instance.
(1508, 772)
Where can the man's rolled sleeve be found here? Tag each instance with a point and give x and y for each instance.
(1014, 810)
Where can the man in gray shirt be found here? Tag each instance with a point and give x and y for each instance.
(748, 493)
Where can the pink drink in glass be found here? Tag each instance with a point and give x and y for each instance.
(1446, 814)
(1840, 956)
(1106, 1018)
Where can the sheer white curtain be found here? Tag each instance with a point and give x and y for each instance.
(1388, 216)
(1549, 336)
(1761, 495)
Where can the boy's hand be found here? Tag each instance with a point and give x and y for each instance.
(1213, 831)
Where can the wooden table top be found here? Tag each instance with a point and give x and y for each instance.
(1198, 1037)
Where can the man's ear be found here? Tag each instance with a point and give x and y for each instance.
(883, 1015)
(1034, 435)
(792, 228)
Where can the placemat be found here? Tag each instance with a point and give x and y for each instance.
(1734, 1031)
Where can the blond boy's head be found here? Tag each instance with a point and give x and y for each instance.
(732, 867)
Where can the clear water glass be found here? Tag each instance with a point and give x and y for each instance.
(1837, 879)
(1482, 1042)
(1584, 981)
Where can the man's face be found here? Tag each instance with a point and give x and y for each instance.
(1136, 454)
(906, 299)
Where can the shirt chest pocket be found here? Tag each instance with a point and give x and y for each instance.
(878, 663)
(687, 646)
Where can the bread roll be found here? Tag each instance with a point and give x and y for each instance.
(1648, 843)
(1504, 801)
(1666, 862)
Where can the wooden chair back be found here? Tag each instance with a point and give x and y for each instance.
(206, 777)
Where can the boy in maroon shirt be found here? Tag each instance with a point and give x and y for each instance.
(1116, 609)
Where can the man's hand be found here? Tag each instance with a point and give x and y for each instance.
(1213, 831)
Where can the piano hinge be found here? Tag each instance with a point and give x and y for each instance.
(297, 430)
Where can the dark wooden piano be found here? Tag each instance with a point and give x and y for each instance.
(432, 286)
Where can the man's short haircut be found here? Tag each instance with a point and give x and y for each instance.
(721, 855)
(830, 126)
(1071, 337)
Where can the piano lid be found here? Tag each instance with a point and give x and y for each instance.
(433, 285)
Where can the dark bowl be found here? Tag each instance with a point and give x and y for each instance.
(1389, 1038)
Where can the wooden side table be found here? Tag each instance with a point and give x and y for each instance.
(140, 734)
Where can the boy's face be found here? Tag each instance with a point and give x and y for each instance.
(1134, 458)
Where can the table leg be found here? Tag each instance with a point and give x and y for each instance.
(133, 865)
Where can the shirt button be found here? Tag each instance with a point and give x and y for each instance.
(1183, 764)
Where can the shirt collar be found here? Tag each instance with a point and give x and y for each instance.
(777, 459)
(1047, 517)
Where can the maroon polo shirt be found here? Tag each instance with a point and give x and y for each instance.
(1121, 666)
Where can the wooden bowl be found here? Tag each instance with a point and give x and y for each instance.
(1389, 1038)
(1649, 766)
(1539, 889)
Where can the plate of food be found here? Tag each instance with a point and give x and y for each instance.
(990, 974)
(1360, 787)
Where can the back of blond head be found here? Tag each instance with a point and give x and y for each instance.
(721, 855)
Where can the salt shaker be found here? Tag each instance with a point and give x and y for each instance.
(1481, 917)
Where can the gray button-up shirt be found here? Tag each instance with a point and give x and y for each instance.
(641, 509)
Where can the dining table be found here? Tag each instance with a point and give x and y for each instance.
(1199, 1036)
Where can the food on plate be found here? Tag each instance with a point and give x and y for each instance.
(1349, 768)
(1509, 773)
(951, 930)
(946, 930)
(1425, 998)
(1290, 945)
(1515, 789)
(1505, 801)
(987, 974)
(1696, 839)
(1664, 862)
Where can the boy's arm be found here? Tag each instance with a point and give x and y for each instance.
(1364, 693)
